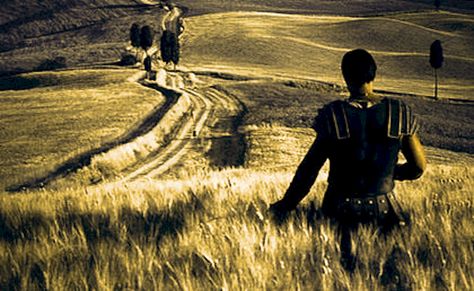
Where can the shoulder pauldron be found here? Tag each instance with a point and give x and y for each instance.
(336, 120)
(400, 119)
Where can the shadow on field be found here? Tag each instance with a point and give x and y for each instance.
(123, 228)
(84, 159)
(310, 213)
(229, 147)
(228, 150)
(152, 225)
(18, 83)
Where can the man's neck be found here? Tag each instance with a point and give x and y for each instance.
(362, 92)
(364, 100)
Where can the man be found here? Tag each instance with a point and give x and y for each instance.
(361, 137)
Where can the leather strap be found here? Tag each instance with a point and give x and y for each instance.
(366, 208)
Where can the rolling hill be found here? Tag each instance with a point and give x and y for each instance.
(84, 32)
(312, 47)
(347, 8)
(59, 115)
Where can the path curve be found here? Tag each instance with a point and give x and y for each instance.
(209, 106)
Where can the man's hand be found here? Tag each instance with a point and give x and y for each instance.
(279, 211)
(278, 207)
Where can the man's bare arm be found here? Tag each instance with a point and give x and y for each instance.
(305, 175)
(415, 156)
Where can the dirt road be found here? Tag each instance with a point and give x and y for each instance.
(213, 118)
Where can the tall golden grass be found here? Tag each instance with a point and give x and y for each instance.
(212, 231)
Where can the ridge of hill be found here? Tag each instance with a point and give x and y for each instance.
(21, 22)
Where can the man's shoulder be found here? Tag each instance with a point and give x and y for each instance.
(333, 119)
(401, 120)
(387, 101)
(332, 104)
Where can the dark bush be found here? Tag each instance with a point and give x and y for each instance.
(48, 65)
(128, 60)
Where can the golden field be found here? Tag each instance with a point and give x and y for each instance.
(64, 114)
(212, 231)
(195, 216)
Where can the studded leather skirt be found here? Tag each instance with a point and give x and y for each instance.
(366, 209)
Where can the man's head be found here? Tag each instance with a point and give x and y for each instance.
(358, 68)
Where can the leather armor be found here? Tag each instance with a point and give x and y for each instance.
(364, 145)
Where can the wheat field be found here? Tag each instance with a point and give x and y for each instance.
(199, 226)
(211, 231)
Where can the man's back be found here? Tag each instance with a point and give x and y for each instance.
(364, 144)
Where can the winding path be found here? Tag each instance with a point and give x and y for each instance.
(209, 107)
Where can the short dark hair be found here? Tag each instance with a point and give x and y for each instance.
(358, 67)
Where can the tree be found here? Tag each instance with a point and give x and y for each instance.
(165, 46)
(436, 61)
(169, 47)
(147, 63)
(175, 50)
(146, 38)
(148, 66)
(135, 35)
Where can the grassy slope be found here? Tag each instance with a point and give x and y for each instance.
(295, 104)
(366, 7)
(83, 32)
(312, 47)
(212, 231)
(67, 113)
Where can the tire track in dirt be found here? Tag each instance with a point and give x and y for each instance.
(171, 154)
(212, 110)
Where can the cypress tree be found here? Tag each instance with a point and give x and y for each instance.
(146, 38)
(165, 46)
(135, 35)
(175, 50)
(436, 61)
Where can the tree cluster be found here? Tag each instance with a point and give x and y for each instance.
(142, 38)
